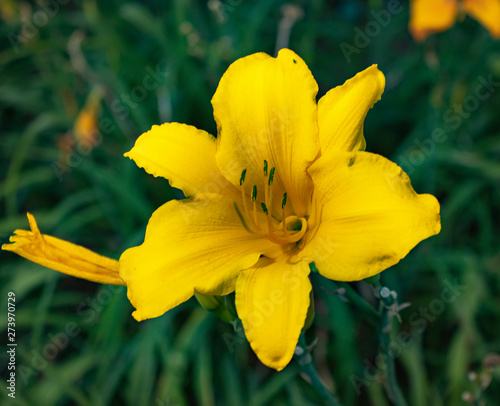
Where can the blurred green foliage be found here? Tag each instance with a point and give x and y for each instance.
(78, 344)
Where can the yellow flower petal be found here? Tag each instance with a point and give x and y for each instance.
(63, 256)
(265, 109)
(342, 111)
(371, 217)
(86, 127)
(190, 245)
(272, 299)
(430, 16)
(487, 12)
(182, 154)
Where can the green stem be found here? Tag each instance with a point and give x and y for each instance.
(350, 294)
(304, 360)
(393, 389)
(360, 302)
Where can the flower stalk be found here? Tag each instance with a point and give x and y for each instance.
(304, 360)
(387, 302)
(349, 294)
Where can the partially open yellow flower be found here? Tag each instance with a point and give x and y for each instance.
(63, 256)
(282, 186)
(431, 16)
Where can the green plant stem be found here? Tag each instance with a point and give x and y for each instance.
(351, 295)
(393, 388)
(392, 384)
(359, 301)
(304, 360)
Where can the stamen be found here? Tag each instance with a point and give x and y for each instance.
(264, 208)
(271, 176)
(245, 206)
(255, 214)
(242, 178)
(269, 203)
(290, 230)
(266, 193)
(243, 194)
(283, 201)
(242, 218)
(268, 197)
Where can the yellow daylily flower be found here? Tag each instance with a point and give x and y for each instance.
(63, 256)
(432, 16)
(285, 183)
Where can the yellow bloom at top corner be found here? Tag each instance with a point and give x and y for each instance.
(285, 183)
(432, 16)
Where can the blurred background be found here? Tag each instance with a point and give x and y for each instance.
(81, 80)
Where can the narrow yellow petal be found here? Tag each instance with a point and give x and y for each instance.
(272, 299)
(487, 12)
(182, 154)
(189, 245)
(266, 110)
(431, 16)
(63, 256)
(342, 111)
(370, 216)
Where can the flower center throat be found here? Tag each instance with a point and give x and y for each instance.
(261, 218)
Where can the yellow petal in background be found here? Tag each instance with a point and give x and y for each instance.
(266, 109)
(86, 127)
(430, 16)
(487, 12)
(370, 218)
(272, 299)
(190, 245)
(342, 111)
(182, 154)
(63, 256)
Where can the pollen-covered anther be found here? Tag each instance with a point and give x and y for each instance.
(264, 208)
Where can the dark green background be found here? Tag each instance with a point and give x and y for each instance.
(78, 344)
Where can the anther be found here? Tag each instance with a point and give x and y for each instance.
(265, 167)
(283, 201)
(254, 193)
(264, 208)
(242, 218)
(242, 178)
(271, 176)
